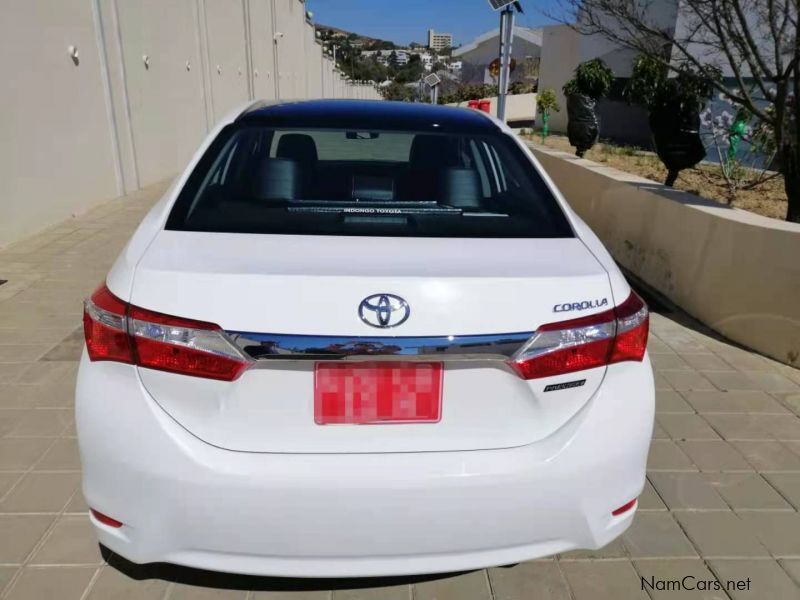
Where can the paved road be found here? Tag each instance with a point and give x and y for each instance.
(722, 499)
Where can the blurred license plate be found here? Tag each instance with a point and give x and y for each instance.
(362, 393)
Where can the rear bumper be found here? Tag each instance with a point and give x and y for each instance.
(186, 502)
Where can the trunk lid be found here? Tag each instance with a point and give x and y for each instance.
(313, 286)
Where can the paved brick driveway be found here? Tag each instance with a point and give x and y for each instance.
(722, 499)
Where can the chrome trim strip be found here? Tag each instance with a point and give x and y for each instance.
(275, 346)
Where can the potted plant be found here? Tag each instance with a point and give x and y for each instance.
(674, 104)
(590, 82)
(546, 102)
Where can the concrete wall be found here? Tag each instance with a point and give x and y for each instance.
(559, 59)
(150, 79)
(733, 270)
(519, 107)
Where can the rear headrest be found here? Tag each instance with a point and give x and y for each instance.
(432, 151)
(461, 188)
(297, 146)
(276, 179)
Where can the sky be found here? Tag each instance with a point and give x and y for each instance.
(405, 21)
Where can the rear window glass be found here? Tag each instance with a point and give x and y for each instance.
(257, 179)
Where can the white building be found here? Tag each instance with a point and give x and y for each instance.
(426, 58)
(439, 41)
(476, 56)
(563, 49)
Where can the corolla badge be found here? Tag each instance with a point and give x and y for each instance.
(583, 305)
(384, 310)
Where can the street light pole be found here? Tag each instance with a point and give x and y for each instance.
(506, 39)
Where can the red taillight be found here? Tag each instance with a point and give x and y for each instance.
(612, 336)
(624, 508)
(119, 332)
(105, 519)
(105, 329)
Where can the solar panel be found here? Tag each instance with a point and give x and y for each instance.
(433, 79)
(498, 4)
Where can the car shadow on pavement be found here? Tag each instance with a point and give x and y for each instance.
(230, 581)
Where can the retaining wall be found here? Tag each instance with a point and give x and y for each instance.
(733, 270)
(148, 80)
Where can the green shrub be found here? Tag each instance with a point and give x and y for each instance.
(592, 78)
(546, 101)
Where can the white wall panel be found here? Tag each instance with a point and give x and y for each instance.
(262, 48)
(145, 89)
(55, 130)
(163, 74)
(227, 54)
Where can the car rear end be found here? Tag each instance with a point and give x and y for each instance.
(345, 350)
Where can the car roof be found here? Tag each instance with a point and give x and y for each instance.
(382, 115)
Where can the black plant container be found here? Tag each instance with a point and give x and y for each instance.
(676, 134)
(583, 127)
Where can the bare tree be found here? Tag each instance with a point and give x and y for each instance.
(754, 42)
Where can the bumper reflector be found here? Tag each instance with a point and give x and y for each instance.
(624, 508)
(105, 519)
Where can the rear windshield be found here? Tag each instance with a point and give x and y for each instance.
(257, 179)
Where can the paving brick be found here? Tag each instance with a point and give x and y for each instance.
(730, 380)
(772, 382)
(714, 455)
(665, 455)
(290, 595)
(686, 427)
(655, 535)
(41, 492)
(685, 381)
(616, 549)
(8, 480)
(670, 361)
(21, 453)
(6, 575)
(671, 402)
(192, 592)
(20, 533)
(734, 402)
(42, 423)
(792, 567)
(656, 346)
(739, 427)
(10, 418)
(64, 583)
(62, 456)
(791, 400)
(779, 531)
(649, 499)
(767, 580)
(394, 592)
(721, 534)
(705, 362)
(49, 372)
(781, 427)
(659, 433)
(788, 485)
(538, 579)
(743, 360)
(659, 380)
(687, 491)
(71, 541)
(603, 580)
(469, 586)
(747, 491)
(769, 456)
(113, 584)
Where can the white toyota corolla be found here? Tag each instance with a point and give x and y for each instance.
(362, 338)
